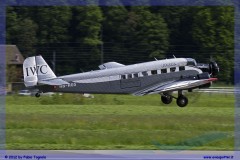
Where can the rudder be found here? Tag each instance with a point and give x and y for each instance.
(35, 69)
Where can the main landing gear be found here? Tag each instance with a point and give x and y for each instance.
(37, 95)
(166, 99)
(182, 101)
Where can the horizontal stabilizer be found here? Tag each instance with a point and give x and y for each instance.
(56, 82)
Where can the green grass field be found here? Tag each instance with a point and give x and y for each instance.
(120, 122)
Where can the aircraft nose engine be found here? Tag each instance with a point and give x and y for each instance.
(213, 69)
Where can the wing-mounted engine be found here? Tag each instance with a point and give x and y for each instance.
(204, 75)
(110, 65)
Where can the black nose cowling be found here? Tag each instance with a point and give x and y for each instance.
(213, 69)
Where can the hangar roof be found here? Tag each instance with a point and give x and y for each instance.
(13, 55)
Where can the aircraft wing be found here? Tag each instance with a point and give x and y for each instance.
(55, 81)
(174, 86)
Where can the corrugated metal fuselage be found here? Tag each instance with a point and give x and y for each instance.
(125, 86)
(111, 81)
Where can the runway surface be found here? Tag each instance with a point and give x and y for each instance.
(222, 90)
(119, 154)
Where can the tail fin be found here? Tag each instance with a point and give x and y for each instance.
(36, 69)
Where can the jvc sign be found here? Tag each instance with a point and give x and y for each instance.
(35, 70)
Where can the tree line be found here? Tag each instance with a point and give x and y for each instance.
(82, 37)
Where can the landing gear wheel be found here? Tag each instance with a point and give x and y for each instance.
(166, 99)
(182, 101)
(37, 95)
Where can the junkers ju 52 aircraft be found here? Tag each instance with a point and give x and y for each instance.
(160, 76)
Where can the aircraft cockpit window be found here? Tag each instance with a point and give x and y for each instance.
(154, 72)
(163, 70)
(135, 75)
(123, 76)
(172, 69)
(144, 73)
(129, 76)
(191, 62)
(181, 68)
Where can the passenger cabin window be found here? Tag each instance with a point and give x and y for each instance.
(154, 72)
(135, 75)
(172, 69)
(163, 70)
(130, 76)
(181, 68)
(123, 76)
(144, 73)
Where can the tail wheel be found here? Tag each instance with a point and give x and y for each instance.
(182, 101)
(166, 99)
(37, 95)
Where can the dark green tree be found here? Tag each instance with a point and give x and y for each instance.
(151, 32)
(213, 31)
(53, 24)
(115, 34)
(87, 25)
(132, 34)
(86, 30)
(11, 25)
(21, 31)
(26, 37)
(179, 20)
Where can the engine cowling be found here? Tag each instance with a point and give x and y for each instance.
(213, 69)
(204, 75)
